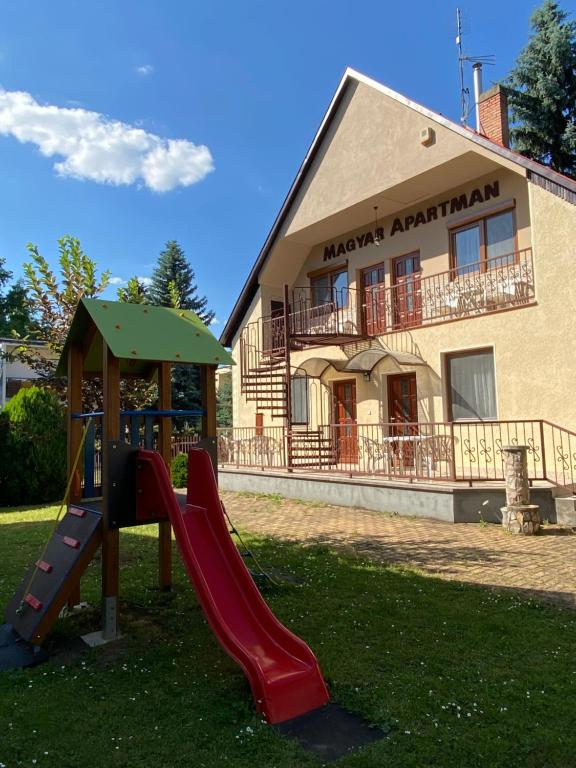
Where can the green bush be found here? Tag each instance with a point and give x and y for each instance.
(180, 471)
(32, 448)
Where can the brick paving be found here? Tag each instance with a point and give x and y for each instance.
(544, 565)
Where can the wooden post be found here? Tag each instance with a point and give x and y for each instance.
(110, 539)
(165, 449)
(75, 364)
(208, 377)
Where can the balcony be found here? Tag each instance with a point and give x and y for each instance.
(345, 314)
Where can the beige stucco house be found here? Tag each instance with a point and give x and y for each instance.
(411, 309)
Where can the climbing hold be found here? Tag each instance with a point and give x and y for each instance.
(33, 602)
(77, 512)
(70, 542)
(42, 565)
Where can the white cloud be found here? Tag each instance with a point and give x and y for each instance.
(144, 70)
(95, 147)
(146, 281)
(114, 280)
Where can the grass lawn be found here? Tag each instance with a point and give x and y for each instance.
(465, 676)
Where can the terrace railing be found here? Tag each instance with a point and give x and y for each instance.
(425, 451)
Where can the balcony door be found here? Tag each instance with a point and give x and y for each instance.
(403, 416)
(345, 428)
(374, 300)
(406, 291)
(273, 329)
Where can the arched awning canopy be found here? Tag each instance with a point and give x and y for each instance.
(363, 362)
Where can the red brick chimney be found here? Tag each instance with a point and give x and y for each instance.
(493, 105)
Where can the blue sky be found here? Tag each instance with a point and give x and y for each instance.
(225, 94)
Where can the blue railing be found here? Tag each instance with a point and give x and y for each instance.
(136, 428)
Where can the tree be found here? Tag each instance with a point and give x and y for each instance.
(15, 308)
(135, 292)
(136, 394)
(55, 300)
(32, 448)
(543, 91)
(224, 402)
(173, 283)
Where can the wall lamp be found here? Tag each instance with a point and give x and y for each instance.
(366, 375)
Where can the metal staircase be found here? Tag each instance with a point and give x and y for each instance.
(266, 373)
(266, 386)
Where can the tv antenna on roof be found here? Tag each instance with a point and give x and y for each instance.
(477, 62)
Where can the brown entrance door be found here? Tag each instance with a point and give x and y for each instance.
(346, 433)
(403, 415)
(374, 299)
(406, 291)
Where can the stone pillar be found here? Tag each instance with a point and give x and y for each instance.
(518, 516)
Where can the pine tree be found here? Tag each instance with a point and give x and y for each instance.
(174, 277)
(543, 91)
(173, 285)
(15, 307)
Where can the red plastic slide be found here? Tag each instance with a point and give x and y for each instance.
(283, 672)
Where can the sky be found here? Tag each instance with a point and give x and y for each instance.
(128, 123)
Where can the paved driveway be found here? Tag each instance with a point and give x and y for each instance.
(543, 565)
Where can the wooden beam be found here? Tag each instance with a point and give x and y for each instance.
(209, 400)
(110, 539)
(165, 449)
(74, 429)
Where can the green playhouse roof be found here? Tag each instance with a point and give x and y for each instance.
(140, 335)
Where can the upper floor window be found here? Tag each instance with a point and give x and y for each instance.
(330, 288)
(485, 244)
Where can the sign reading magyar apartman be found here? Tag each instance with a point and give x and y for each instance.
(432, 213)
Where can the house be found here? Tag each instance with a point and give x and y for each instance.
(411, 310)
(14, 374)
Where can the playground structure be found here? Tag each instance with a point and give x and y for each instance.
(111, 340)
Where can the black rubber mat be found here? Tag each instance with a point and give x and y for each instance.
(331, 732)
(16, 653)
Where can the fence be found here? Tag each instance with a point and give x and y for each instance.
(425, 451)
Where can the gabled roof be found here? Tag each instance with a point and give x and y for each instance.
(543, 175)
(141, 334)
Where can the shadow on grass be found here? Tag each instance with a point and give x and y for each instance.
(466, 676)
